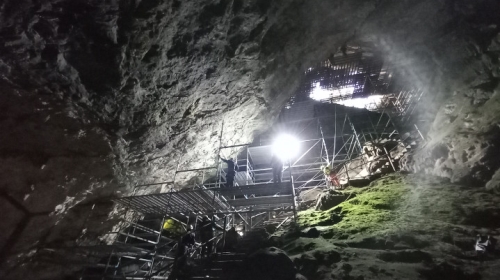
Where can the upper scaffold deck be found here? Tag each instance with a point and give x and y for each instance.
(215, 200)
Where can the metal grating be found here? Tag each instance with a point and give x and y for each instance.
(216, 200)
(184, 201)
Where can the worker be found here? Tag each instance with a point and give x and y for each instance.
(181, 255)
(482, 246)
(231, 240)
(277, 166)
(206, 228)
(172, 229)
(334, 180)
(343, 49)
(330, 176)
(231, 171)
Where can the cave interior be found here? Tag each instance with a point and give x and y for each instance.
(118, 116)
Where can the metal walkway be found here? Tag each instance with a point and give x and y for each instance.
(263, 197)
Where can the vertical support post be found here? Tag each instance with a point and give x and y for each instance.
(195, 223)
(290, 169)
(248, 166)
(334, 136)
(246, 216)
(158, 238)
(355, 135)
(347, 174)
(251, 223)
(373, 126)
(107, 263)
(224, 234)
(389, 158)
(324, 143)
(294, 201)
(393, 124)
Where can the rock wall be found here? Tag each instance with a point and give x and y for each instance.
(463, 135)
(97, 96)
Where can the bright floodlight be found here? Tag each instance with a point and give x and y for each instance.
(285, 146)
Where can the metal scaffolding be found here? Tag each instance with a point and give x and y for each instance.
(328, 134)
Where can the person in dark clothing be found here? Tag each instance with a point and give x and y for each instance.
(181, 255)
(187, 242)
(277, 166)
(231, 240)
(231, 171)
(207, 227)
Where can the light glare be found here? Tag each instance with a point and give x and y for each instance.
(370, 102)
(318, 93)
(285, 147)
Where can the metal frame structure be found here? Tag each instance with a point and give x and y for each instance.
(329, 134)
(255, 201)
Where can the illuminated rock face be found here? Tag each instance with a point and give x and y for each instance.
(97, 96)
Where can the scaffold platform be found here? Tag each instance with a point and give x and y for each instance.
(200, 201)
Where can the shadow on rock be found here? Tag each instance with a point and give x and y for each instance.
(446, 271)
(269, 264)
(405, 257)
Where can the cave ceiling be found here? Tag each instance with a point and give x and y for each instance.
(158, 78)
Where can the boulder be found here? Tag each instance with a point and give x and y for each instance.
(309, 197)
(310, 232)
(329, 199)
(494, 182)
(254, 240)
(269, 264)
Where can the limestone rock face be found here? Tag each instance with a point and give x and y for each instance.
(161, 77)
(98, 96)
(464, 137)
(466, 148)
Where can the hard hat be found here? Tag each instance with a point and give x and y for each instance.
(168, 224)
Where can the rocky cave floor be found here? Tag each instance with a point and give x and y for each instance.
(402, 226)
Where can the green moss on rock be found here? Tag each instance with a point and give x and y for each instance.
(368, 211)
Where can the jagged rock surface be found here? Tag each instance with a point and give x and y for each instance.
(378, 158)
(401, 226)
(97, 96)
